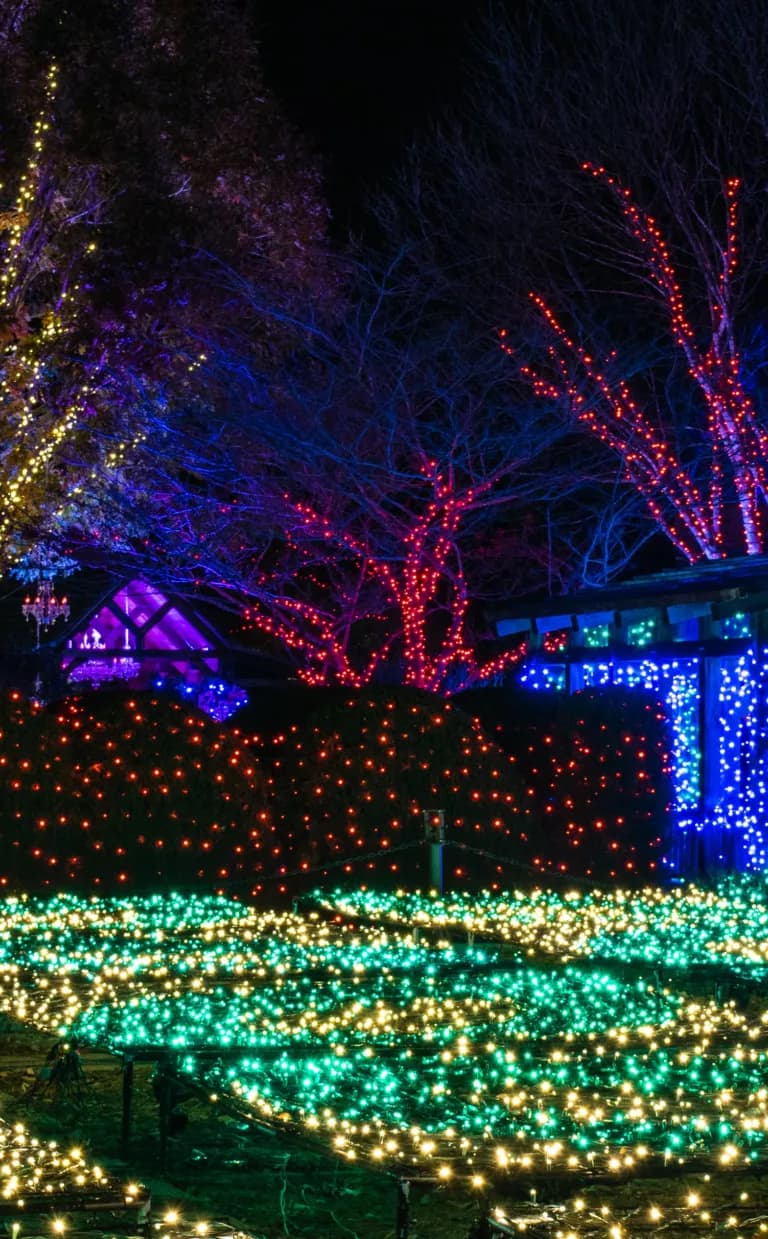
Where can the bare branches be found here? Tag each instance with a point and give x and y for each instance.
(691, 513)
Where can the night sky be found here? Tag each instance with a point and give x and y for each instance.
(360, 80)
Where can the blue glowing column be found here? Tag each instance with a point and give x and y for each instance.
(710, 764)
(734, 733)
(717, 705)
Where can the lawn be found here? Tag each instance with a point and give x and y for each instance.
(544, 1054)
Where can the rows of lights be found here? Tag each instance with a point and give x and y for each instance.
(460, 1062)
(674, 929)
(48, 1187)
(43, 1176)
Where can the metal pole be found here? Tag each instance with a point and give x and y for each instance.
(434, 833)
(436, 867)
(403, 1216)
(127, 1097)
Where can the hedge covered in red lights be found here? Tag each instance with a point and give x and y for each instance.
(596, 769)
(353, 774)
(138, 791)
(121, 791)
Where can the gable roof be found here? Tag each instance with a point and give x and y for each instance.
(91, 594)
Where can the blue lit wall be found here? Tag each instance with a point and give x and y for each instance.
(719, 745)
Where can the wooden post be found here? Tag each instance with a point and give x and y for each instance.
(127, 1097)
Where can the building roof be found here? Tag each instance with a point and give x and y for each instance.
(192, 630)
(718, 589)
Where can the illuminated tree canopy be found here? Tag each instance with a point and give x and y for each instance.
(53, 384)
(336, 448)
(101, 320)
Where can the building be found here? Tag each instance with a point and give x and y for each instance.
(135, 635)
(697, 638)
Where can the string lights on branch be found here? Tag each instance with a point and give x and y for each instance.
(690, 505)
(414, 588)
(54, 454)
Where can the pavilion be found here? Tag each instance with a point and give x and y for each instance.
(697, 638)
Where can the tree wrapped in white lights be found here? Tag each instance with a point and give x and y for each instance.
(60, 385)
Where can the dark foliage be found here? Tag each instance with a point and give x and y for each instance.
(596, 772)
(122, 792)
(166, 104)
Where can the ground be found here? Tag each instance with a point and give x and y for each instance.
(221, 1168)
(218, 1167)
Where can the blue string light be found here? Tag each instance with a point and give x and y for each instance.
(719, 794)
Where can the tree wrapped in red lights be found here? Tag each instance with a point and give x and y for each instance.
(692, 499)
(415, 605)
(615, 163)
(361, 498)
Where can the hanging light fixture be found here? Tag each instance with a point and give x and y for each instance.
(45, 608)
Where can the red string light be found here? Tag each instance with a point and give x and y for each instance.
(424, 583)
(83, 784)
(689, 512)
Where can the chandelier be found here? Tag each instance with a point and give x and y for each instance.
(95, 672)
(45, 608)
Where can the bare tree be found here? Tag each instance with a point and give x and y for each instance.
(727, 474)
(613, 159)
(366, 499)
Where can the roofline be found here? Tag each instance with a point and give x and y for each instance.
(730, 585)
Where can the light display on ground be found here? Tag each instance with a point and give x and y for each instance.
(53, 1188)
(681, 928)
(456, 1061)
(46, 1177)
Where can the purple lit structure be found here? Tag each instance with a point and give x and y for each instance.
(138, 637)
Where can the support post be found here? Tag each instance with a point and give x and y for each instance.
(164, 1115)
(403, 1215)
(436, 867)
(127, 1097)
(434, 831)
(482, 1229)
